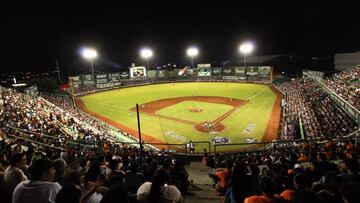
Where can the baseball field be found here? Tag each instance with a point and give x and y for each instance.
(177, 113)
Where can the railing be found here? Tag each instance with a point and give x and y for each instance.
(83, 143)
(183, 149)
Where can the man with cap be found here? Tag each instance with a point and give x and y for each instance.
(39, 188)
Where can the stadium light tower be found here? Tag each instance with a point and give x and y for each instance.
(246, 48)
(192, 52)
(146, 53)
(89, 53)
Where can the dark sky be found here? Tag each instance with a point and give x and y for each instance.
(34, 34)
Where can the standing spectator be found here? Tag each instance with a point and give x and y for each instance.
(240, 185)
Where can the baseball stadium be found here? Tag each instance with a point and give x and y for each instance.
(175, 101)
(204, 113)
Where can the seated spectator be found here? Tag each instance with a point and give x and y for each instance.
(132, 178)
(40, 188)
(115, 194)
(350, 192)
(267, 187)
(60, 167)
(306, 196)
(158, 191)
(14, 173)
(92, 183)
(69, 193)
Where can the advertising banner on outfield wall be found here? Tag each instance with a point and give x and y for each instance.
(160, 73)
(87, 77)
(151, 74)
(101, 81)
(239, 70)
(101, 76)
(114, 77)
(216, 71)
(75, 81)
(228, 71)
(172, 73)
(230, 77)
(264, 70)
(124, 75)
(204, 71)
(252, 70)
(204, 65)
(137, 72)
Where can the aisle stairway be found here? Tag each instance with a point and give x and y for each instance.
(202, 187)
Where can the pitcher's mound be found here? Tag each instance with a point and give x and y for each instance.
(195, 110)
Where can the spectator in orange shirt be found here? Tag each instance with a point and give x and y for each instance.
(303, 158)
(222, 178)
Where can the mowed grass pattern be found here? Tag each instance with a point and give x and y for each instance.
(249, 121)
(209, 111)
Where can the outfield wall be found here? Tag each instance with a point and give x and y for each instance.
(87, 83)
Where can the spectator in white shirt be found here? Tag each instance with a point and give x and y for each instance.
(14, 174)
(40, 188)
(158, 191)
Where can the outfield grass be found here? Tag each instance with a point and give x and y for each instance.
(249, 121)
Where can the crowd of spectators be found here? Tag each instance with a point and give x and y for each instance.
(37, 163)
(347, 85)
(325, 172)
(66, 104)
(320, 116)
(116, 173)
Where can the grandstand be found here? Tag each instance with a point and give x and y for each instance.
(316, 156)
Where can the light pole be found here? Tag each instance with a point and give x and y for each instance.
(246, 48)
(192, 52)
(146, 53)
(90, 54)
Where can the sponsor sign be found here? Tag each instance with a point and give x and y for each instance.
(216, 71)
(101, 80)
(239, 70)
(151, 74)
(252, 70)
(220, 140)
(228, 71)
(205, 65)
(249, 130)
(160, 73)
(101, 76)
(137, 72)
(174, 136)
(124, 75)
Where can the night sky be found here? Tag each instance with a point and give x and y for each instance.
(34, 34)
